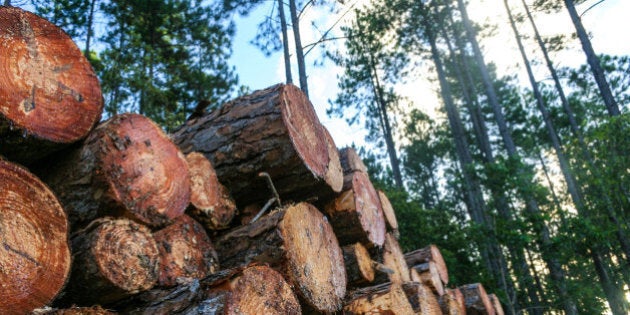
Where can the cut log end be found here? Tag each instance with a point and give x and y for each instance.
(382, 299)
(426, 254)
(359, 265)
(476, 299)
(350, 161)
(429, 275)
(496, 303)
(393, 258)
(334, 172)
(452, 302)
(421, 299)
(388, 212)
(34, 255)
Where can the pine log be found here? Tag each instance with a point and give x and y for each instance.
(334, 172)
(351, 162)
(254, 290)
(274, 130)
(429, 275)
(359, 265)
(393, 259)
(390, 216)
(185, 252)
(356, 214)
(127, 166)
(476, 299)
(452, 302)
(422, 300)
(297, 241)
(386, 298)
(496, 303)
(34, 256)
(426, 254)
(112, 259)
(49, 94)
(211, 203)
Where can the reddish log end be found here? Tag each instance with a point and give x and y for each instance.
(388, 212)
(359, 267)
(391, 256)
(426, 254)
(350, 161)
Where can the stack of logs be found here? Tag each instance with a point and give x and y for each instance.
(249, 208)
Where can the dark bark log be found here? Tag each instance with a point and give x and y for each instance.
(476, 299)
(356, 214)
(452, 302)
(112, 259)
(427, 254)
(49, 93)
(359, 265)
(350, 161)
(385, 298)
(297, 241)
(496, 304)
(430, 276)
(34, 256)
(211, 203)
(422, 300)
(390, 215)
(127, 166)
(392, 257)
(185, 252)
(274, 130)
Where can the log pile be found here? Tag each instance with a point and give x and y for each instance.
(247, 209)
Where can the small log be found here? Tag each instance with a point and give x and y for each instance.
(476, 299)
(113, 259)
(392, 257)
(422, 300)
(452, 302)
(127, 166)
(351, 162)
(387, 298)
(359, 265)
(429, 275)
(356, 214)
(211, 203)
(390, 216)
(34, 256)
(185, 252)
(496, 303)
(49, 94)
(426, 254)
(274, 130)
(297, 241)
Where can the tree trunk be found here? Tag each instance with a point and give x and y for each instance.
(90, 29)
(356, 214)
(476, 299)
(210, 202)
(286, 239)
(49, 93)
(496, 304)
(295, 22)
(392, 257)
(429, 275)
(275, 131)
(7, 3)
(385, 298)
(428, 254)
(593, 61)
(112, 259)
(285, 43)
(34, 258)
(422, 300)
(127, 166)
(359, 265)
(390, 215)
(185, 252)
(452, 302)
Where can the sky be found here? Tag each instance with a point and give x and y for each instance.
(608, 24)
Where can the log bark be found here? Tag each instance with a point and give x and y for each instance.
(476, 299)
(452, 302)
(49, 94)
(392, 257)
(185, 252)
(426, 254)
(356, 214)
(429, 275)
(390, 215)
(297, 241)
(496, 304)
(422, 300)
(92, 310)
(112, 259)
(127, 166)
(351, 162)
(274, 130)
(34, 255)
(359, 266)
(211, 203)
(385, 298)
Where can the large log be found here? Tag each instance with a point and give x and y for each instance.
(386, 298)
(185, 252)
(452, 302)
(211, 203)
(356, 214)
(426, 254)
(391, 256)
(422, 301)
(297, 241)
(476, 299)
(254, 290)
(389, 213)
(112, 259)
(34, 256)
(49, 94)
(127, 166)
(429, 275)
(496, 304)
(274, 130)
(359, 265)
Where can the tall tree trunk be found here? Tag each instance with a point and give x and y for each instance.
(285, 42)
(7, 3)
(295, 21)
(90, 30)
(593, 61)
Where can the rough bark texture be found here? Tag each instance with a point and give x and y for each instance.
(274, 130)
(93, 310)
(476, 299)
(34, 256)
(421, 298)
(350, 161)
(425, 255)
(392, 257)
(127, 166)
(359, 267)
(185, 252)
(112, 259)
(498, 309)
(389, 213)
(356, 213)
(429, 275)
(385, 298)
(49, 94)
(452, 302)
(298, 242)
(211, 203)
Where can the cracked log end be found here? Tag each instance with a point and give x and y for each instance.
(48, 91)
(34, 253)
